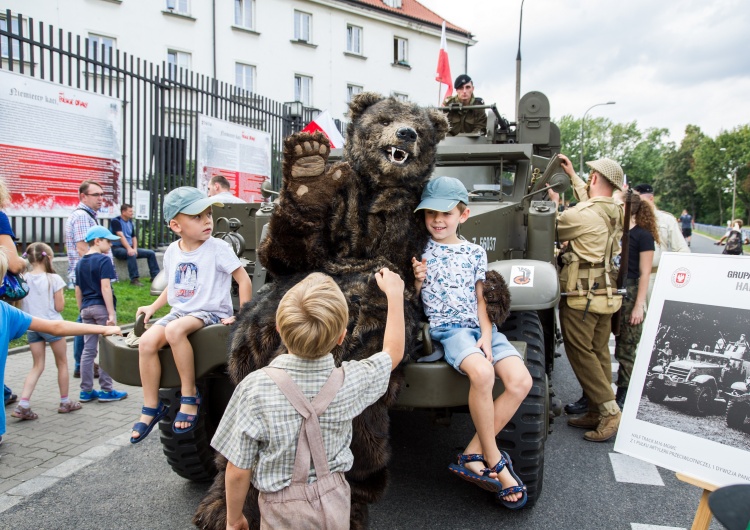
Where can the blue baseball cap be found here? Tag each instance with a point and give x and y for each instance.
(442, 194)
(99, 232)
(187, 200)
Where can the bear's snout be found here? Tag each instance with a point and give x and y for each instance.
(406, 134)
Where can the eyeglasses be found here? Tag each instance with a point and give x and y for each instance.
(95, 194)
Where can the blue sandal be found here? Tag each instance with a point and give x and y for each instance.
(521, 488)
(468, 475)
(187, 418)
(143, 429)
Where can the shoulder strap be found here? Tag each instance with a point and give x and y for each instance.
(88, 212)
(609, 251)
(310, 442)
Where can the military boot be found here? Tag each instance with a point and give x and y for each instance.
(606, 429)
(622, 393)
(590, 420)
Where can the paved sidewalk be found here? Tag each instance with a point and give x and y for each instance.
(40, 452)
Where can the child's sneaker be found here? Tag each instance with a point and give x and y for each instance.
(91, 395)
(112, 395)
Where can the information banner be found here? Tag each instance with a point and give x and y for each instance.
(688, 402)
(241, 154)
(53, 138)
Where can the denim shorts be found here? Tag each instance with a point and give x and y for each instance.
(206, 317)
(38, 336)
(460, 342)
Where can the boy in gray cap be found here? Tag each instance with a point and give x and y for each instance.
(199, 269)
(465, 121)
(450, 278)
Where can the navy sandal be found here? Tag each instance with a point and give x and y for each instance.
(521, 488)
(468, 475)
(187, 418)
(143, 429)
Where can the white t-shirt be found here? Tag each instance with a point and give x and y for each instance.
(449, 290)
(201, 280)
(40, 302)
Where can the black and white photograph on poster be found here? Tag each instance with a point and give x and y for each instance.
(688, 408)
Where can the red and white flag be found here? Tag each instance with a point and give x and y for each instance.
(443, 67)
(324, 123)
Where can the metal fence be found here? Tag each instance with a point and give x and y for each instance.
(160, 108)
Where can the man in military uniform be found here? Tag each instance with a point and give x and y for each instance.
(670, 235)
(465, 121)
(593, 229)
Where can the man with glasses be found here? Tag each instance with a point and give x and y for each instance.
(465, 121)
(91, 197)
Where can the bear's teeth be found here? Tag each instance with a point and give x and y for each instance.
(398, 156)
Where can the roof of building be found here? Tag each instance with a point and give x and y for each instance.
(416, 11)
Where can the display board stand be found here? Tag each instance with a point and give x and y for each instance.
(703, 514)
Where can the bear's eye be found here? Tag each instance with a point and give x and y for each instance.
(385, 122)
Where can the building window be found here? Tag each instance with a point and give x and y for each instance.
(244, 76)
(393, 3)
(100, 47)
(351, 91)
(179, 6)
(400, 96)
(302, 26)
(177, 60)
(303, 89)
(400, 51)
(354, 39)
(244, 13)
(15, 44)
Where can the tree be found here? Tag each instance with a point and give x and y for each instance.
(674, 184)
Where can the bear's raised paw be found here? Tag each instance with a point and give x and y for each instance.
(307, 154)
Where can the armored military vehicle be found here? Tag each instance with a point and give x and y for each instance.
(507, 175)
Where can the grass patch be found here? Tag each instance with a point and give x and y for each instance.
(129, 299)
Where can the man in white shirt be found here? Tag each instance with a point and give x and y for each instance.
(220, 189)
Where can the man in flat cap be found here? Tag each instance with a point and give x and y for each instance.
(465, 121)
(670, 235)
(593, 228)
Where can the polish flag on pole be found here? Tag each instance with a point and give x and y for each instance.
(324, 123)
(443, 67)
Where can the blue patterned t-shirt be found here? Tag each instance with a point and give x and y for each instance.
(449, 290)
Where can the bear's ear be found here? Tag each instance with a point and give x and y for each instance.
(440, 122)
(360, 102)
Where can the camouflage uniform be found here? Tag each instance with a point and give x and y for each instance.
(628, 339)
(466, 121)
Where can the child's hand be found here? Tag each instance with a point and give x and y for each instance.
(420, 268)
(229, 320)
(485, 344)
(389, 282)
(147, 311)
(112, 330)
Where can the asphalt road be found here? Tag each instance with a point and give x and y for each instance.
(135, 488)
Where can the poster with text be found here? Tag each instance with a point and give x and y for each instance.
(240, 154)
(688, 404)
(53, 138)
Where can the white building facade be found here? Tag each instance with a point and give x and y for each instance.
(320, 52)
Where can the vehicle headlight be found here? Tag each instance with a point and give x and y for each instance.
(739, 386)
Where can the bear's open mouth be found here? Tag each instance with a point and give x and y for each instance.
(397, 156)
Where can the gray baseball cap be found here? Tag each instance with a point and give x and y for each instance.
(442, 194)
(187, 200)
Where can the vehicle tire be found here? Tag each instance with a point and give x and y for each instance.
(525, 434)
(655, 393)
(190, 454)
(701, 399)
(736, 414)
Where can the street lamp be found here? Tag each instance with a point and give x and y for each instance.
(734, 183)
(583, 121)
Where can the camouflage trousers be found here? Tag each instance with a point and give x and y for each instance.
(626, 343)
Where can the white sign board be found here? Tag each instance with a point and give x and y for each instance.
(690, 379)
(53, 138)
(240, 154)
(142, 204)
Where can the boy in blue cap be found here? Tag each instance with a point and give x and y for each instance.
(96, 302)
(450, 278)
(199, 269)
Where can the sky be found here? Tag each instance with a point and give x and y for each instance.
(666, 63)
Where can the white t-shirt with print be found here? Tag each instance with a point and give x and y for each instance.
(449, 290)
(201, 280)
(40, 302)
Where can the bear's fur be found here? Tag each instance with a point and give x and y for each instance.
(347, 220)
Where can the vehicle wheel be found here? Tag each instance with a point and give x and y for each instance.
(736, 414)
(655, 393)
(701, 399)
(190, 454)
(525, 434)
